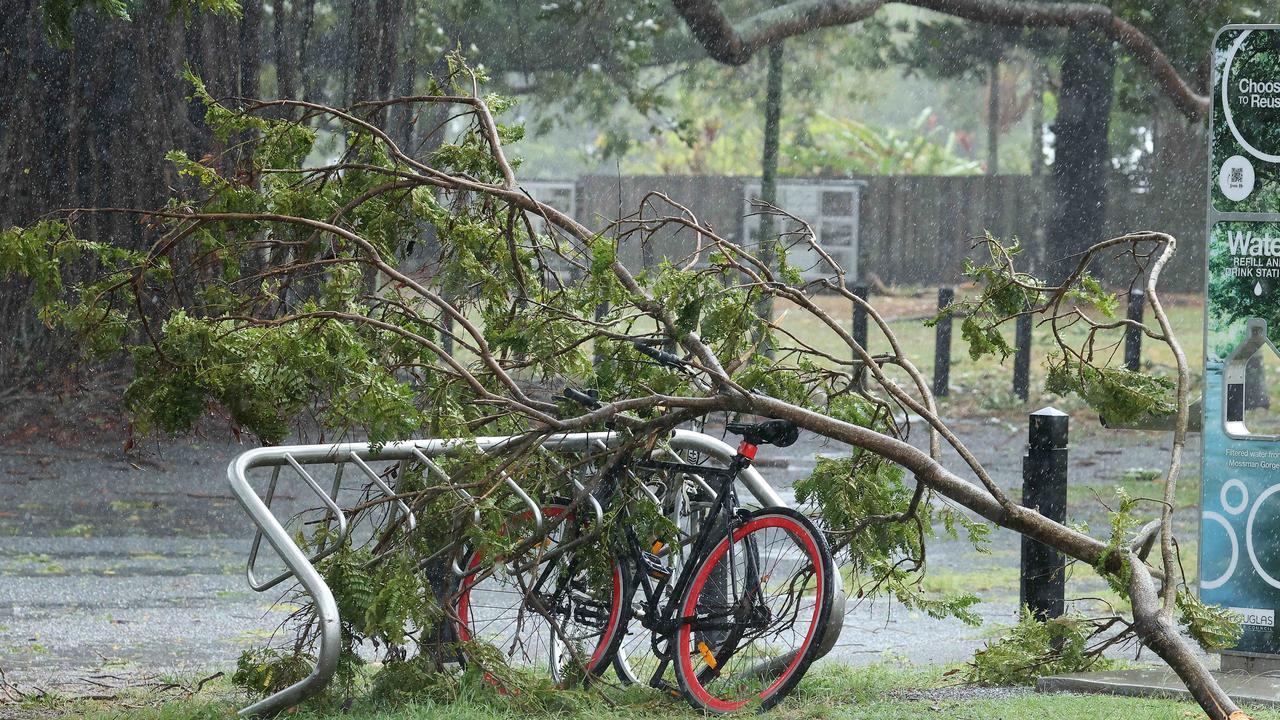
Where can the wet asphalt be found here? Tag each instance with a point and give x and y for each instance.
(134, 565)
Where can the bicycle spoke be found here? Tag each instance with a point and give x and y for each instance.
(755, 610)
(543, 617)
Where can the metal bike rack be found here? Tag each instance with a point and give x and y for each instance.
(303, 568)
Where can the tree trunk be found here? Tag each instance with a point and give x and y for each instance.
(389, 16)
(283, 49)
(769, 166)
(93, 126)
(1037, 120)
(250, 47)
(308, 20)
(361, 53)
(772, 139)
(1082, 158)
(402, 127)
(1157, 632)
(993, 116)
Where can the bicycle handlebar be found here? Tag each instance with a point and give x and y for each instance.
(590, 399)
(586, 399)
(661, 356)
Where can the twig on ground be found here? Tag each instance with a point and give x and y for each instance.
(201, 683)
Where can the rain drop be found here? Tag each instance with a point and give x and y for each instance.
(1257, 288)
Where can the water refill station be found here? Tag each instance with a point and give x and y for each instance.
(1240, 492)
(1240, 520)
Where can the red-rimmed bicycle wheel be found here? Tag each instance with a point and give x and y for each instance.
(754, 613)
(550, 615)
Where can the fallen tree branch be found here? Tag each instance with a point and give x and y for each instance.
(527, 338)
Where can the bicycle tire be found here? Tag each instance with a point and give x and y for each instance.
(505, 606)
(774, 540)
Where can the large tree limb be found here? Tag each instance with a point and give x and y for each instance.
(1157, 631)
(736, 43)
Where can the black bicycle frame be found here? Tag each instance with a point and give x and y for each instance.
(660, 617)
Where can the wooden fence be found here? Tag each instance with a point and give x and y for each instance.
(916, 230)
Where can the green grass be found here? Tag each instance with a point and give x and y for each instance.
(987, 583)
(125, 507)
(986, 384)
(32, 563)
(81, 530)
(1083, 497)
(829, 691)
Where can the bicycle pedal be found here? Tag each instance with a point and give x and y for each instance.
(654, 566)
(667, 688)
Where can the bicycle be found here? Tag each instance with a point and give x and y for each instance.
(739, 614)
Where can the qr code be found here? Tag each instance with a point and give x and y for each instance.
(1236, 177)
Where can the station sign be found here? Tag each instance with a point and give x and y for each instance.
(1240, 503)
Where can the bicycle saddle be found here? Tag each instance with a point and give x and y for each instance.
(770, 432)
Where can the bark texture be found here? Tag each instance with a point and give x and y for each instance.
(89, 125)
(1081, 166)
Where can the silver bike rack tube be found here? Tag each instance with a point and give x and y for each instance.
(409, 517)
(298, 565)
(724, 452)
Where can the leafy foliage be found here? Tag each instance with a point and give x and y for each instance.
(60, 14)
(843, 146)
(489, 683)
(1113, 566)
(412, 680)
(824, 145)
(1034, 648)
(1117, 394)
(1004, 295)
(871, 511)
(380, 600)
(1216, 628)
(267, 670)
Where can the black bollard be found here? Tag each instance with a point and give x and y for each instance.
(942, 345)
(1044, 488)
(860, 316)
(1133, 335)
(1022, 358)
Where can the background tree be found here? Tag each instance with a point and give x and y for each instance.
(1110, 115)
(82, 112)
(947, 49)
(80, 127)
(1079, 176)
